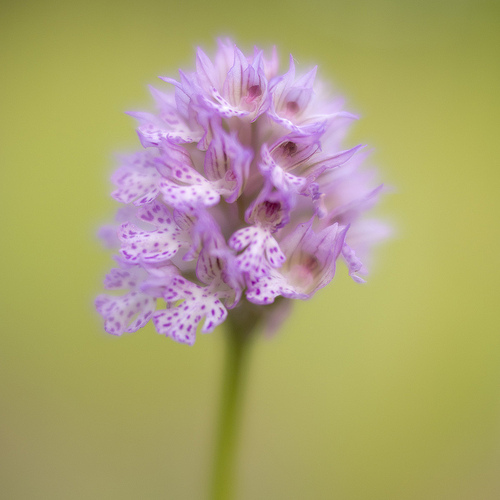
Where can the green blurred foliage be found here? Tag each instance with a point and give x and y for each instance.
(387, 391)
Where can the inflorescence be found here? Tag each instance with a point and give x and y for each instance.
(242, 193)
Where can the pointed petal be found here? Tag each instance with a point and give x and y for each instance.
(232, 90)
(182, 97)
(279, 85)
(207, 74)
(298, 96)
(337, 159)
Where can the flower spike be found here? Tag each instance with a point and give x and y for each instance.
(243, 191)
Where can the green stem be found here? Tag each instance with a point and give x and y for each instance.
(238, 338)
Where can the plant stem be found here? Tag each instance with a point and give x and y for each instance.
(237, 346)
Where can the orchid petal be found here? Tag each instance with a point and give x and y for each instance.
(127, 313)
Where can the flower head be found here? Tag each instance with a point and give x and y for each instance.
(243, 192)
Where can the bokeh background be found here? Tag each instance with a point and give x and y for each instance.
(386, 391)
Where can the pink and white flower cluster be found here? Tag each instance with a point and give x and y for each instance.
(242, 193)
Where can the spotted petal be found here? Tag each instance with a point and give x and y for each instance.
(188, 197)
(137, 179)
(127, 313)
(259, 250)
(180, 322)
(129, 278)
(151, 246)
(265, 289)
(152, 130)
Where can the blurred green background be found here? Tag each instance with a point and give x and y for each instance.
(386, 391)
